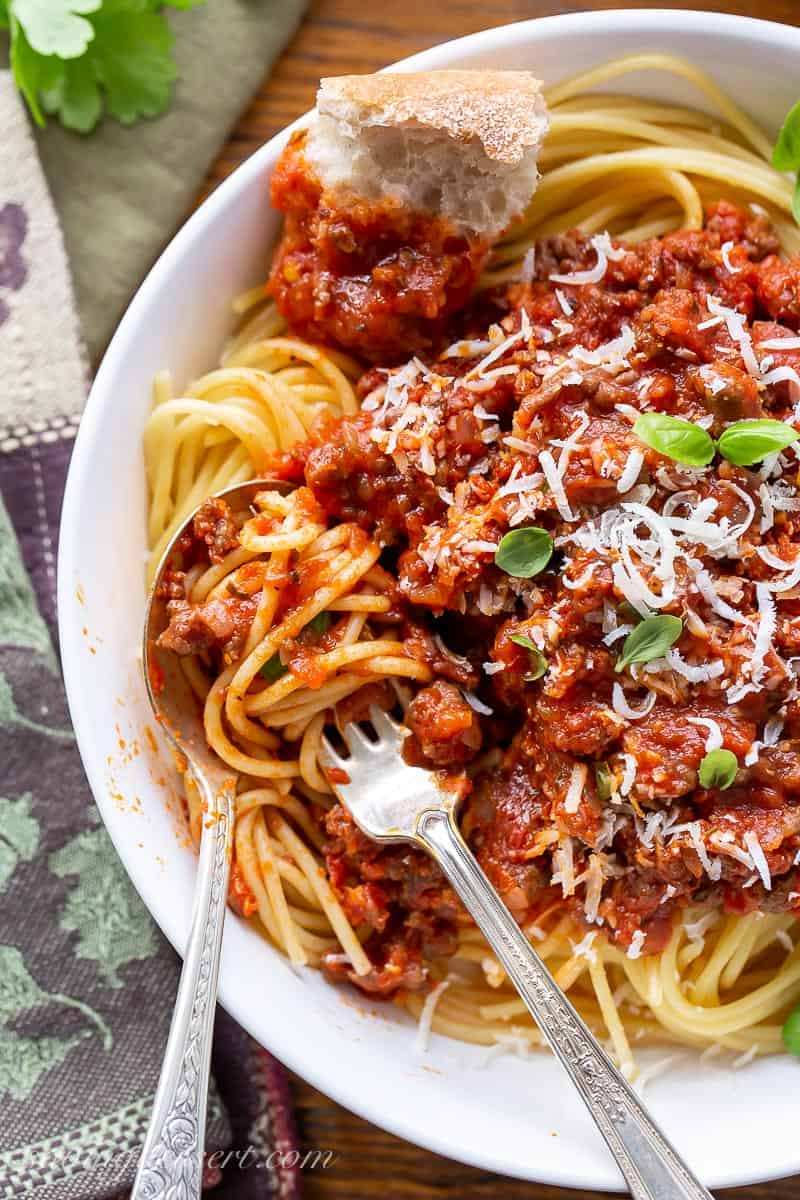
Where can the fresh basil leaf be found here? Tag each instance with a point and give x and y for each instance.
(747, 442)
(718, 769)
(273, 668)
(604, 780)
(320, 623)
(786, 155)
(523, 553)
(791, 1032)
(677, 439)
(538, 660)
(650, 639)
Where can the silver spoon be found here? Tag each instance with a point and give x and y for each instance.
(409, 806)
(175, 1142)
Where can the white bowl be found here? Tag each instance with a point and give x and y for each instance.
(512, 1116)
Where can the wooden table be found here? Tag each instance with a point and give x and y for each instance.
(337, 37)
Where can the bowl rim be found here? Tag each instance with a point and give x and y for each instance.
(289, 1049)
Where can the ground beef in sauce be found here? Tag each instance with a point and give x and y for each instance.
(435, 492)
(215, 524)
(371, 278)
(446, 729)
(581, 770)
(221, 624)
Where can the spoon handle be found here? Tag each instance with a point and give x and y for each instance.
(652, 1168)
(172, 1158)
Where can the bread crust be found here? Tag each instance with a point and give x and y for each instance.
(504, 110)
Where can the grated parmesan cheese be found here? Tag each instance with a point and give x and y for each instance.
(630, 472)
(623, 709)
(577, 783)
(714, 739)
(601, 244)
(477, 705)
(759, 858)
(725, 251)
(637, 942)
(426, 1016)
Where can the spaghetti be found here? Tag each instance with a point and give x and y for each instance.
(286, 619)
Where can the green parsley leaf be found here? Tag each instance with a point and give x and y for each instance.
(273, 668)
(320, 623)
(523, 553)
(56, 26)
(651, 638)
(604, 780)
(538, 660)
(718, 769)
(33, 73)
(680, 440)
(76, 58)
(75, 98)
(791, 1031)
(747, 442)
(786, 155)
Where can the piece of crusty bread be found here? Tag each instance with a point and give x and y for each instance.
(462, 144)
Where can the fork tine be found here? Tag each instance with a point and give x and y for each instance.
(357, 740)
(384, 725)
(334, 759)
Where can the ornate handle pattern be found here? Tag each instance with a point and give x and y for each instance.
(171, 1165)
(651, 1167)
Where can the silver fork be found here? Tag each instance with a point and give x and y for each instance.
(394, 802)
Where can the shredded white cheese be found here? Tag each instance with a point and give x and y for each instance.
(574, 794)
(601, 244)
(754, 848)
(623, 709)
(725, 250)
(630, 472)
(637, 942)
(477, 705)
(426, 1016)
(714, 739)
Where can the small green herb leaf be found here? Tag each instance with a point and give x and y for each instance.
(538, 660)
(718, 769)
(56, 26)
(796, 201)
(680, 440)
(524, 552)
(786, 155)
(320, 623)
(791, 1032)
(604, 780)
(273, 668)
(747, 442)
(650, 639)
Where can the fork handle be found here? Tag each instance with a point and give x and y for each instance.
(651, 1167)
(172, 1159)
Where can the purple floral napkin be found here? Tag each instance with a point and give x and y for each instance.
(86, 980)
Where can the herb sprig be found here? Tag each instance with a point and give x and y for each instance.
(743, 443)
(76, 59)
(718, 769)
(786, 155)
(523, 553)
(650, 639)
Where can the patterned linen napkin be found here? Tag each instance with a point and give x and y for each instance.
(86, 980)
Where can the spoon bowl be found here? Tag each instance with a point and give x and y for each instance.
(175, 1142)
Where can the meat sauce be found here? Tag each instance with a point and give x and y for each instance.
(373, 278)
(582, 779)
